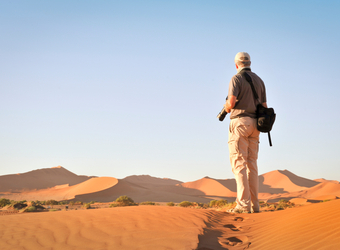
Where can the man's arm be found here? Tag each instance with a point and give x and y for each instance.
(230, 103)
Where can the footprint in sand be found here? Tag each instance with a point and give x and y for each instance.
(231, 227)
(238, 219)
(236, 241)
(235, 228)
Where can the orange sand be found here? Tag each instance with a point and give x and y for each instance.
(315, 226)
(143, 227)
(312, 227)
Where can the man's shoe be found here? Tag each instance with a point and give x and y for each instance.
(238, 211)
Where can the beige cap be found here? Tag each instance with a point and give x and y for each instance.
(242, 59)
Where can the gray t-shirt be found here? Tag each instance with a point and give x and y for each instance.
(245, 103)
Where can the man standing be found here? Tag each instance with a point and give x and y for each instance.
(243, 134)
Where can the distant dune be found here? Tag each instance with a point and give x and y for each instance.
(324, 180)
(39, 179)
(60, 184)
(209, 187)
(146, 191)
(322, 189)
(65, 192)
(286, 181)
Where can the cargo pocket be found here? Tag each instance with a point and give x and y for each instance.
(233, 144)
(238, 140)
(253, 149)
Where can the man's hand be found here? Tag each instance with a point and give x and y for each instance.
(226, 108)
(230, 103)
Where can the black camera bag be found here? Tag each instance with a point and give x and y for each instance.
(265, 116)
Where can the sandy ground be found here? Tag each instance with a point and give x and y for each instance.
(142, 227)
(314, 226)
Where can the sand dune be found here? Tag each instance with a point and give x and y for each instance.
(209, 187)
(39, 179)
(61, 184)
(228, 183)
(138, 193)
(66, 192)
(286, 181)
(324, 180)
(322, 189)
(149, 181)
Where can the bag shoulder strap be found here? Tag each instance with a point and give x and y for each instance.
(250, 81)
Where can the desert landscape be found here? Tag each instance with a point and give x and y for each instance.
(312, 223)
(57, 183)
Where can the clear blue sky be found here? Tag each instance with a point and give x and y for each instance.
(119, 88)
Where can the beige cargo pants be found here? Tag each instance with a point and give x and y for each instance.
(243, 148)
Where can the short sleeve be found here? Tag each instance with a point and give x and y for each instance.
(234, 86)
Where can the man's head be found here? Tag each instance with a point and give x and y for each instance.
(242, 60)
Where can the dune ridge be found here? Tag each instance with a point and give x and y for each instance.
(209, 187)
(325, 188)
(324, 180)
(148, 192)
(39, 179)
(66, 192)
(287, 180)
(60, 184)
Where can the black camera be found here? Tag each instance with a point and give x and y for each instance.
(222, 115)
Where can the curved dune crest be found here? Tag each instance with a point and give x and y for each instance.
(92, 185)
(288, 181)
(147, 180)
(66, 192)
(209, 187)
(60, 184)
(39, 179)
(324, 180)
(325, 188)
(138, 193)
